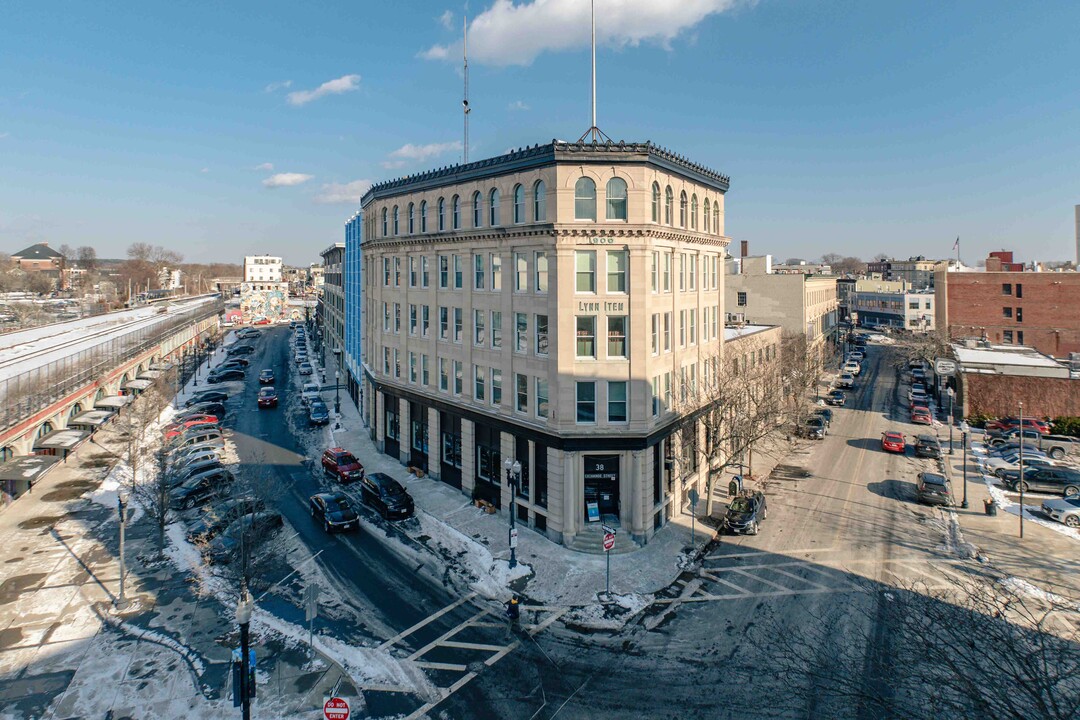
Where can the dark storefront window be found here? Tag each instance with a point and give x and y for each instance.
(602, 488)
(521, 454)
(540, 475)
(657, 474)
(393, 430)
(418, 435)
(450, 452)
(488, 464)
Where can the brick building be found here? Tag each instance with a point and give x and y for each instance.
(994, 379)
(1037, 309)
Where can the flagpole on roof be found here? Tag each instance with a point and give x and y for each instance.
(465, 101)
(594, 131)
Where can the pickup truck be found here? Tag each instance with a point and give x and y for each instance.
(1058, 446)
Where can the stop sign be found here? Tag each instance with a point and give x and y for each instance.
(336, 709)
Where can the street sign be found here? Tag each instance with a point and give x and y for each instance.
(945, 367)
(311, 602)
(513, 537)
(694, 497)
(336, 708)
(609, 541)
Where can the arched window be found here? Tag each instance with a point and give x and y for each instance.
(442, 214)
(705, 216)
(477, 210)
(45, 429)
(539, 201)
(100, 394)
(7, 453)
(716, 217)
(75, 410)
(385, 230)
(656, 202)
(616, 199)
(682, 209)
(396, 218)
(519, 204)
(693, 211)
(455, 209)
(585, 199)
(423, 216)
(412, 223)
(669, 201)
(493, 205)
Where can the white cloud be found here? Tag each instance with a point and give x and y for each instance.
(343, 84)
(351, 192)
(515, 34)
(518, 105)
(265, 166)
(205, 170)
(286, 180)
(410, 153)
(275, 86)
(447, 20)
(4, 135)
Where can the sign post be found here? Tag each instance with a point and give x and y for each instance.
(944, 367)
(609, 545)
(311, 610)
(336, 708)
(694, 497)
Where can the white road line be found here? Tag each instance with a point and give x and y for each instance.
(440, 666)
(766, 594)
(426, 621)
(471, 646)
(731, 585)
(446, 692)
(533, 629)
(778, 586)
(793, 576)
(502, 653)
(446, 636)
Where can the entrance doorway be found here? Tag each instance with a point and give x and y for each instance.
(602, 489)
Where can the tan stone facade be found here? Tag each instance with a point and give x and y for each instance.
(555, 324)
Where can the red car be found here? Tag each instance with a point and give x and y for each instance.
(268, 397)
(893, 442)
(921, 416)
(172, 432)
(189, 421)
(343, 465)
(261, 321)
(1011, 423)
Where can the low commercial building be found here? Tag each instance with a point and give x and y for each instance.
(893, 305)
(995, 379)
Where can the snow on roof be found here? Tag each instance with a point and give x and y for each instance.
(92, 417)
(62, 439)
(27, 467)
(734, 332)
(113, 401)
(138, 384)
(1005, 355)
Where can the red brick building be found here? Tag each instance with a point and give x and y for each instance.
(1036, 309)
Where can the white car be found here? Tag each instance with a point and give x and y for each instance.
(999, 465)
(306, 368)
(846, 380)
(852, 367)
(916, 389)
(1064, 510)
(310, 392)
(856, 355)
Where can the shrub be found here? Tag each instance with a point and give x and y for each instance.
(979, 420)
(1066, 426)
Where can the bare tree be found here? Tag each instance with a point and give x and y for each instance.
(87, 257)
(925, 347)
(971, 647)
(880, 257)
(152, 486)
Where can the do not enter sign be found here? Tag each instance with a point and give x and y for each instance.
(609, 541)
(336, 709)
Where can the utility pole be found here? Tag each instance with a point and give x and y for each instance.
(1021, 483)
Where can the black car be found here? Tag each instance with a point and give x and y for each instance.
(196, 491)
(1058, 480)
(241, 349)
(933, 489)
(220, 516)
(386, 495)
(318, 413)
(207, 396)
(836, 398)
(334, 511)
(927, 446)
(266, 377)
(226, 375)
(189, 471)
(825, 414)
(237, 361)
(745, 513)
(814, 428)
(256, 524)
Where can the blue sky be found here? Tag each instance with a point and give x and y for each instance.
(846, 126)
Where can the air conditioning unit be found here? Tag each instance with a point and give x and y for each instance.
(736, 318)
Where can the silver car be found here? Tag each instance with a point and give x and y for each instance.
(1064, 510)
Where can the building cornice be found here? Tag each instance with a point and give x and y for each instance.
(549, 230)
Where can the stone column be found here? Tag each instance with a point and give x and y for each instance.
(572, 496)
(506, 450)
(380, 421)
(434, 435)
(637, 495)
(468, 457)
(404, 432)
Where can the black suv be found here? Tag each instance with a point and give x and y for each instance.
(1057, 480)
(207, 396)
(927, 446)
(386, 495)
(335, 512)
(225, 375)
(241, 349)
(745, 513)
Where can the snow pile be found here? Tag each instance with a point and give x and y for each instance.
(1023, 587)
(1013, 508)
(193, 659)
(107, 493)
(610, 616)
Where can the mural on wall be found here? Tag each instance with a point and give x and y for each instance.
(263, 303)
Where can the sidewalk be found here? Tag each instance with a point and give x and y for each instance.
(476, 544)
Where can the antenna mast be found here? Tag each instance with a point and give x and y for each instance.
(595, 132)
(465, 101)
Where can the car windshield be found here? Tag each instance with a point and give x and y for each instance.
(338, 505)
(346, 459)
(933, 480)
(741, 505)
(393, 487)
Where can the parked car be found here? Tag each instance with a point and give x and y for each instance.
(846, 380)
(218, 517)
(182, 455)
(310, 393)
(1065, 510)
(216, 409)
(181, 423)
(1058, 446)
(236, 361)
(226, 375)
(248, 333)
(240, 349)
(814, 428)
(996, 437)
(826, 414)
(205, 455)
(262, 320)
(262, 523)
(188, 427)
(921, 415)
(182, 473)
(893, 442)
(856, 355)
(852, 367)
(268, 398)
(386, 495)
(207, 396)
(306, 368)
(1008, 423)
(919, 400)
(334, 511)
(933, 489)
(1030, 446)
(209, 438)
(836, 398)
(745, 513)
(198, 490)
(266, 377)
(927, 446)
(1060, 480)
(999, 465)
(918, 375)
(341, 464)
(318, 413)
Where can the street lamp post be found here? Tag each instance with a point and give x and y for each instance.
(243, 618)
(1020, 485)
(195, 349)
(337, 392)
(963, 441)
(121, 506)
(513, 478)
(952, 419)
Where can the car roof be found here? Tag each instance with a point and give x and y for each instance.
(926, 438)
(893, 434)
(335, 496)
(933, 478)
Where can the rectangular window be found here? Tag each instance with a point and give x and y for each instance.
(617, 263)
(425, 276)
(397, 317)
(444, 375)
(478, 272)
(1007, 337)
(705, 322)
(386, 360)
(496, 328)
(655, 333)
(521, 332)
(692, 271)
(412, 367)
(616, 401)
(667, 390)
(682, 328)
(665, 264)
(693, 326)
(1019, 290)
(458, 322)
(1019, 337)
(656, 396)
(682, 272)
(386, 271)
(479, 335)
(425, 320)
(1006, 313)
(397, 272)
(541, 334)
(616, 332)
(458, 279)
(397, 363)
(413, 278)
(586, 336)
(913, 305)
(496, 386)
(425, 378)
(1019, 314)
(496, 273)
(521, 273)
(444, 323)
(522, 383)
(740, 299)
(654, 273)
(386, 317)
(541, 272)
(541, 397)
(414, 321)
(667, 332)
(479, 375)
(586, 402)
(1006, 288)
(585, 264)
(444, 272)
(458, 377)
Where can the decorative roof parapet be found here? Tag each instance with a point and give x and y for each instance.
(538, 154)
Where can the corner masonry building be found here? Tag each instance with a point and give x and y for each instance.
(549, 306)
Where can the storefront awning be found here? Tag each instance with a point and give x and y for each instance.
(150, 374)
(138, 384)
(18, 474)
(61, 439)
(113, 402)
(91, 418)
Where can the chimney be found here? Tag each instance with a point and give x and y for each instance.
(744, 247)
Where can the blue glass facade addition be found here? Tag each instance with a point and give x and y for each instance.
(354, 301)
